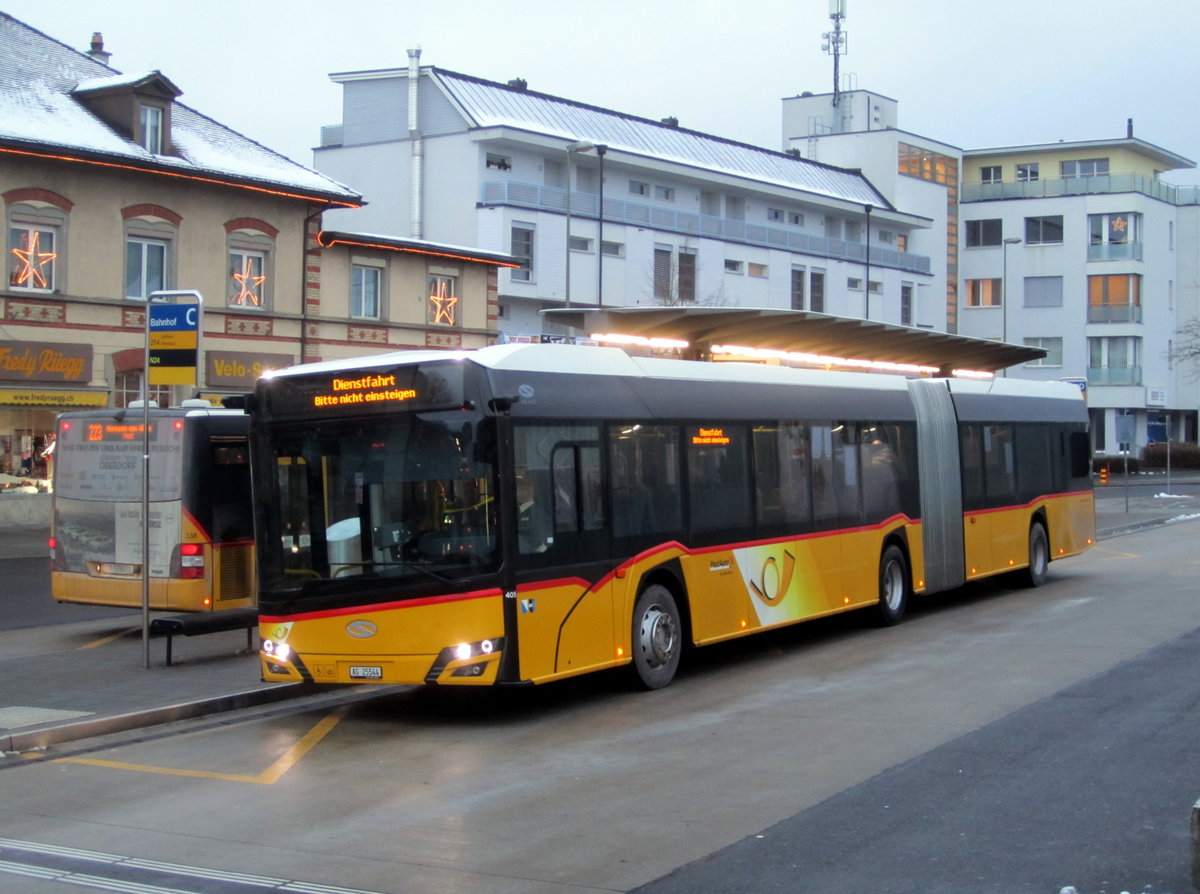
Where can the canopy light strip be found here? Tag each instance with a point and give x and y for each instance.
(830, 362)
(616, 338)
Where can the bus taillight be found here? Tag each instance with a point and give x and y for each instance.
(191, 561)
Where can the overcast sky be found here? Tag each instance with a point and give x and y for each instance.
(970, 73)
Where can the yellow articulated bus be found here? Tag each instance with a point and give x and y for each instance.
(522, 514)
(201, 521)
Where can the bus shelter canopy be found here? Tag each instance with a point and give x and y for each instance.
(797, 331)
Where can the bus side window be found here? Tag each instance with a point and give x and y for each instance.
(782, 475)
(645, 479)
(999, 465)
(970, 437)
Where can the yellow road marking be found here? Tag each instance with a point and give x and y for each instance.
(270, 776)
(108, 639)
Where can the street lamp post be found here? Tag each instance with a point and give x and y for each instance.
(1011, 240)
(601, 149)
(867, 281)
(578, 146)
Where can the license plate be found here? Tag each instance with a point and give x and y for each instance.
(366, 672)
(117, 568)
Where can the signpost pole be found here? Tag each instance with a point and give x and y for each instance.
(171, 358)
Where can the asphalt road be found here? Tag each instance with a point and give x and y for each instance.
(1000, 740)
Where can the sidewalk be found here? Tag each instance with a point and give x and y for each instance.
(68, 682)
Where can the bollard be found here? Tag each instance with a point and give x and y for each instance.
(1196, 846)
(1104, 474)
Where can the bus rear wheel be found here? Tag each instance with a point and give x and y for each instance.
(657, 637)
(1039, 556)
(893, 586)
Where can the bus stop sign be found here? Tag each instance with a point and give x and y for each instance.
(173, 343)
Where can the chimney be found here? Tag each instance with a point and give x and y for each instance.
(519, 84)
(97, 50)
(1129, 128)
(671, 122)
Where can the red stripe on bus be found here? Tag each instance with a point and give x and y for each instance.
(381, 607)
(1019, 506)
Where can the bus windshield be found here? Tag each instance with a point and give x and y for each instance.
(379, 498)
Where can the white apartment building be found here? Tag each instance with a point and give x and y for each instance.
(1082, 250)
(1078, 249)
(640, 212)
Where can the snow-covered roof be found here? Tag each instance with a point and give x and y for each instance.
(491, 104)
(403, 243)
(40, 109)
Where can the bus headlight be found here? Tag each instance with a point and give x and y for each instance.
(278, 651)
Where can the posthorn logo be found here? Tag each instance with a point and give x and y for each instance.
(361, 629)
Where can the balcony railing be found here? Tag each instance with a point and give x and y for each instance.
(1082, 186)
(1115, 251)
(1114, 313)
(585, 204)
(1104, 375)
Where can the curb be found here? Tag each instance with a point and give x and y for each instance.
(102, 726)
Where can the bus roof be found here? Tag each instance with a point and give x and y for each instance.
(610, 361)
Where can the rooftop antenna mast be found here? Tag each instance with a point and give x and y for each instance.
(835, 45)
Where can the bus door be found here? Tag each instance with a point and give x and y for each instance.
(560, 549)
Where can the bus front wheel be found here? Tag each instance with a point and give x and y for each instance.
(893, 586)
(1039, 556)
(657, 637)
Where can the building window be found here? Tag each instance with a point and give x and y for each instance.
(732, 266)
(638, 188)
(983, 293)
(149, 250)
(990, 174)
(1114, 361)
(612, 249)
(775, 214)
(33, 257)
(797, 288)
(1115, 299)
(1084, 167)
(498, 162)
(127, 387)
(581, 243)
(1027, 172)
(906, 304)
(443, 300)
(522, 252)
(981, 233)
(759, 270)
(887, 237)
(250, 269)
(854, 283)
(913, 161)
(662, 273)
(687, 275)
(366, 291)
(1044, 230)
(36, 245)
(816, 291)
(795, 218)
(901, 242)
(246, 278)
(151, 120)
(145, 267)
(1043, 291)
(1053, 348)
(1115, 236)
(664, 193)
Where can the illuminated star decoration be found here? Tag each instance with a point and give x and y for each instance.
(31, 262)
(1119, 224)
(444, 302)
(248, 284)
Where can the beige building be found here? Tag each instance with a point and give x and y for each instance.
(112, 190)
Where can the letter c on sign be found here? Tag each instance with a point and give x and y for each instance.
(191, 317)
